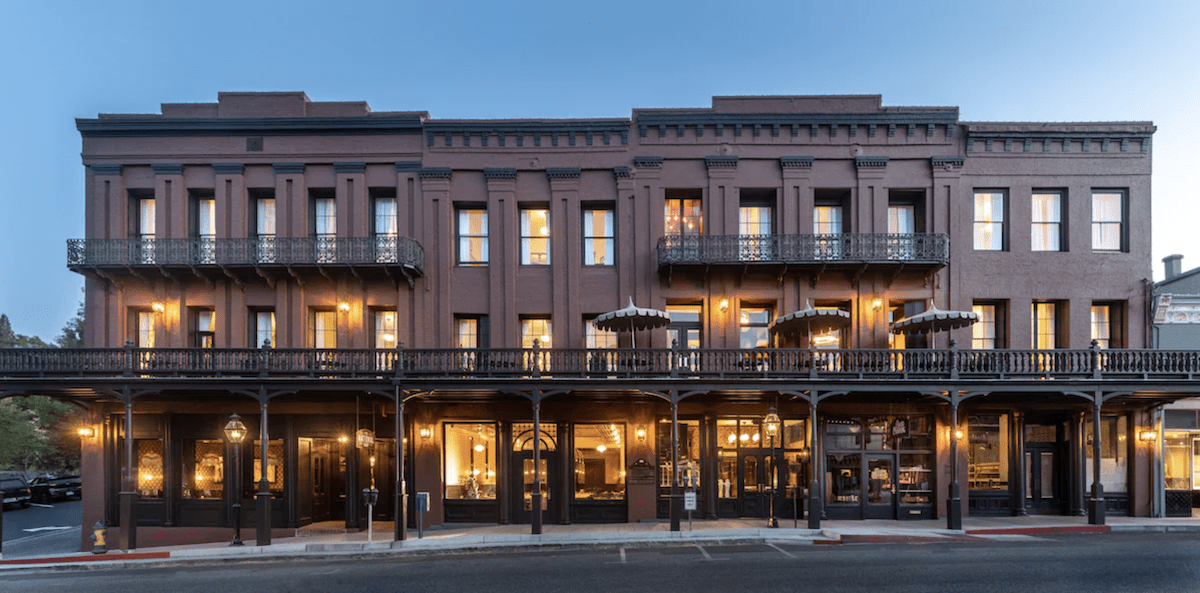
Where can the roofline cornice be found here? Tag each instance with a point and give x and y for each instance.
(152, 126)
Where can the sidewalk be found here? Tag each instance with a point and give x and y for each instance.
(466, 538)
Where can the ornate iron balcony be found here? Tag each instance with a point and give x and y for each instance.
(386, 251)
(917, 248)
(530, 363)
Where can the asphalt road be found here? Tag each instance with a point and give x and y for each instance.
(1161, 563)
(39, 529)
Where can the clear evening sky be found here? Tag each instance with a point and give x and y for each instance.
(1100, 60)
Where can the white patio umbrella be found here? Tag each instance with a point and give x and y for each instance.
(934, 320)
(632, 318)
(809, 319)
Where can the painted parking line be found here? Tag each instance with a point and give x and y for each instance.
(622, 555)
(41, 504)
(37, 529)
(781, 550)
(703, 551)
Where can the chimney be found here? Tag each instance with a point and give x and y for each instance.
(1173, 265)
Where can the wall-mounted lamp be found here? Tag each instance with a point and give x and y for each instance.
(425, 432)
(87, 431)
(1148, 435)
(344, 307)
(343, 439)
(724, 305)
(641, 435)
(877, 304)
(958, 434)
(158, 307)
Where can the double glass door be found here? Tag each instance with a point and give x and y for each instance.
(1041, 478)
(523, 486)
(748, 479)
(861, 486)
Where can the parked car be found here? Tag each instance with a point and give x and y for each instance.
(16, 491)
(46, 489)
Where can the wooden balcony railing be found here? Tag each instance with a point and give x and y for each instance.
(258, 251)
(920, 248)
(1095, 364)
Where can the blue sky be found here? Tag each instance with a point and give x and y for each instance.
(1009, 61)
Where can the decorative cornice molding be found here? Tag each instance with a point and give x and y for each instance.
(289, 168)
(720, 161)
(408, 166)
(167, 168)
(553, 173)
(436, 173)
(499, 173)
(349, 167)
(870, 162)
(589, 128)
(106, 169)
(622, 172)
(229, 168)
(153, 125)
(651, 162)
(947, 160)
(936, 116)
(796, 162)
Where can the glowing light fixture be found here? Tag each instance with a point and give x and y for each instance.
(158, 307)
(344, 307)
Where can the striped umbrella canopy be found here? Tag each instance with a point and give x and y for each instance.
(809, 319)
(934, 320)
(631, 319)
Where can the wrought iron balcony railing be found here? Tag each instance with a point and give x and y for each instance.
(921, 248)
(259, 251)
(764, 363)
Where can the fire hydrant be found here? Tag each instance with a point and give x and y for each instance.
(99, 533)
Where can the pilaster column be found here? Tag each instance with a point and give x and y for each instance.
(566, 251)
(640, 222)
(435, 192)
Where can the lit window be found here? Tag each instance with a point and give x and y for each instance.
(205, 230)
(472, 237)
(983, 333)
(386, 230)
(1045, 325)
(324, 329)
(385, 329)
(598, 238)
(206, 327)
(325, 229)
(264, 329)
(684, 217)
(1046, 233)
(1108, 221)
(989, 220)
(599, 461)
(753, 322)
(467, 333)
(264, 229)
(535, 237)
(470, 461)
(827, 220)
(145, 329)
(597, 338)
(535, 328)
(1102, 325)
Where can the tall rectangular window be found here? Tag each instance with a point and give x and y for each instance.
(466, 332)
(472, 237)
(206, 328)
(535, 237)
(204, 229)
(831, 339)
(1114, 453)
(1045, 325)
(470, 452)
(987, 452)
(599, 462)
(144, 227)
(386, 229)
(263, 329)
(756, 225)
(264, 228)
(684, 216)
(988, 333)
(827, 220)
(594, 337)
(752, 326)
(535, 328)
(1105, 324)
(902, 219)
(324, 329)
(1108, 220)
(989, 220)
(145, 329)
(325, 229)
(1047, 216)
(385, 329)
(598, 237)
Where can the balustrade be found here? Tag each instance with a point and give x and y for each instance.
(924, 248)
(257, 251)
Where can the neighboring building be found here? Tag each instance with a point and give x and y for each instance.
(458, 263)
(1177, 327)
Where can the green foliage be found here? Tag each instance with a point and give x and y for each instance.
(72, 332)
(11, 339)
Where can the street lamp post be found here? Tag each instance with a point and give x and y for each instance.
(771, 425)
(235, 431)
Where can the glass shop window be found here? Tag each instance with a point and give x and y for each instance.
(1114, 453)
(203, 469)
(843, 434)
(149, 467)
(915, 479)
(274, 468)
(843, 478)
(987, 452)
(689, 450)
(1177, 461)
(600, 461)
(470, 461)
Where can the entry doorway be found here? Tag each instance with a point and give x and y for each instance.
(522, 486)
(860, 485)
(748, 477)
(1041, 479)
(880, 491)
(321, 475)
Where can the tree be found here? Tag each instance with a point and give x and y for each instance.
(72, 332)
(11, 339)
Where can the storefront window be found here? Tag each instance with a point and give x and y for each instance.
(470, 450)
(987, 452)
(916, 479)
(689, 450)
(274, 468)
(203, 469)
(842, 478)
(843, 434)
(1114, 453)
(1178, 461)
(149, 467)
(600, 461)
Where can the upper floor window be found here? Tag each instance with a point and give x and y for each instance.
(753, 322)
(204, 228)
(142, 224)
(1108, 322)
(598, 237)
(385, 329)
(1045, 325)
(535, 237)
(145, 329)
(685, 328)
(205, 327)
(990, 206)
(385, 227)
(1108, 220)
(324, 329)
(325, 228)
(1047, 220)
(988, 332)
(466, 332)
(594, 337)
(684, 216)
(832, 338)
(264, 225)
(902, 219)
(472, 237)
(827, 220)
(755, 225)
(535, 328)
(262, 328)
